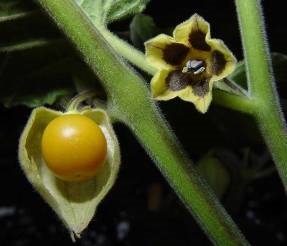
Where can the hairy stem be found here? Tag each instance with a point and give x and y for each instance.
(260, 77)
(129, 52)
(238, 103)
(144, 119)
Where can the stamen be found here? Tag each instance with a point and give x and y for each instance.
(194, 66)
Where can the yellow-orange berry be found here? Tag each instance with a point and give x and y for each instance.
(73, 147)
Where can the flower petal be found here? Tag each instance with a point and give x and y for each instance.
(221, 59)
(163, 52)
(159, 86)
(201, 103)
(194, 32)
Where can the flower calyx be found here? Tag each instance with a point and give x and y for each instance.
(75, 202)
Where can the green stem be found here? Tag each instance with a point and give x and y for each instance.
(238, 103)
(128, 51)
(260, 77)
(129, 101)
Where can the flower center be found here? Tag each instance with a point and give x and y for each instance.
(194, 66)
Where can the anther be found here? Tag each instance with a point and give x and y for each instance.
(194, 66)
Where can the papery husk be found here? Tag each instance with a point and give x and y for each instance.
(74, 202)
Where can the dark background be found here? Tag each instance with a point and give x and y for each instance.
(129, 215)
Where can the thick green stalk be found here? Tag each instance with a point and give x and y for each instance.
(260, 77)
(129, 101)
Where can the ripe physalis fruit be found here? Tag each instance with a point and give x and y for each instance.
(72, 159)
(74, 147)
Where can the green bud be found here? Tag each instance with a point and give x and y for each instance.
(215, 174)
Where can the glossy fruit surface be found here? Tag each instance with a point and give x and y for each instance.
(73, 147)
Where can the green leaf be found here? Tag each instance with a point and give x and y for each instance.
(34, 100)
(24, 27)
(120, 9)
(74, 202)
(142, 28)
(32, 95)
(35, 63)
(36, 76)
(215, 173)
(108, 11)
(12, 7)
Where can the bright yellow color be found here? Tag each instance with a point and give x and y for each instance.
(158, 87)
(182, 30)
(73, 147)
(155, 51)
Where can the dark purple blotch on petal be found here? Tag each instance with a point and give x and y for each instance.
(197, 40)
(218, 62)
(201, 87)
(175, 53)
(177, 80)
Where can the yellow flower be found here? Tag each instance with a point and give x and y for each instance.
(189, 63)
